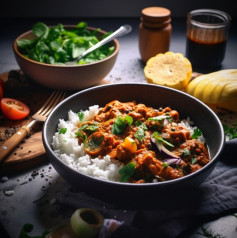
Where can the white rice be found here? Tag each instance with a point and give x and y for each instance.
(190, 126)
(68, 150)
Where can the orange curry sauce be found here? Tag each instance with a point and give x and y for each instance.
(106, 135)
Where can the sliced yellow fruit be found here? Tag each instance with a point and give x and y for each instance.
(219, 88)
(130, 144)
(169, 69)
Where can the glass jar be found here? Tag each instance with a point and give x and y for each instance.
(207, 33)
(154, 32)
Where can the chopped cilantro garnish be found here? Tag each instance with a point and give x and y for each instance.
(80, 116)
(83, 127)
(120, 124)
(231, 132)
(91, 128)
(140, 134)
(129, 120)
(159, 139)
(83, 136)
(186, 152)
(141, 124)
(196, 133)
(165, 165)
(160, 118)
(194, 160)
(94, 142)
(127, 171)
(62, 131)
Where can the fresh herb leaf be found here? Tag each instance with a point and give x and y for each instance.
(129, 120)
(40, 29)
(140, 135)
(94, 142)
(141, 124)
(158, 137)
(230, 132)
(83, 127)
(62, 130)
(186, 153)
(82, 25)
(89, 128)
(80, 116)
(127, 171)
(92, 127)
(83, 136)
(160, 118)
(120, 124)
(194, 160)
(196, 133)
(165, 165)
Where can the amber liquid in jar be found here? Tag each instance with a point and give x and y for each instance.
(204, 54)
(207, 33)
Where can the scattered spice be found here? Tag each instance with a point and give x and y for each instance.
(24, 182)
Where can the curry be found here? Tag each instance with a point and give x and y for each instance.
(153, 144)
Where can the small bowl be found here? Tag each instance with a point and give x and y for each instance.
(150, 95)
(70, 77)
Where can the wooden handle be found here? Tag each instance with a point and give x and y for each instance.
(7, 147)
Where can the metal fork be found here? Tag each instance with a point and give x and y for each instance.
(39, 116)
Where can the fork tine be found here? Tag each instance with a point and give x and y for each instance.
(60, 97)
(46, 103)
(54, 98)
(50, 104)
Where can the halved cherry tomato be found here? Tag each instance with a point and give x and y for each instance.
(1, 88)
(14, 109)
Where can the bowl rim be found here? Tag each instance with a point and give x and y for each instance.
(16, 51)
(164, 183)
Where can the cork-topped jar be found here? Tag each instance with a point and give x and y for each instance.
(154, 32)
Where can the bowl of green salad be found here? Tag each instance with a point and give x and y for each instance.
(43, 52)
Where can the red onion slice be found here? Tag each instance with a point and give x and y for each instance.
(170, 161)
(172, 158)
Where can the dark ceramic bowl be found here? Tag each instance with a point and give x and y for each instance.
(71, 77)
(150, 95)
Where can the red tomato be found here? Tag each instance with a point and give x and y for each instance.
(14, 109)
(1, 88)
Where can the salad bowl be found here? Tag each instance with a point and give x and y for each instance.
(62, 76)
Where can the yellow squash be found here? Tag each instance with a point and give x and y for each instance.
(219, 88)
